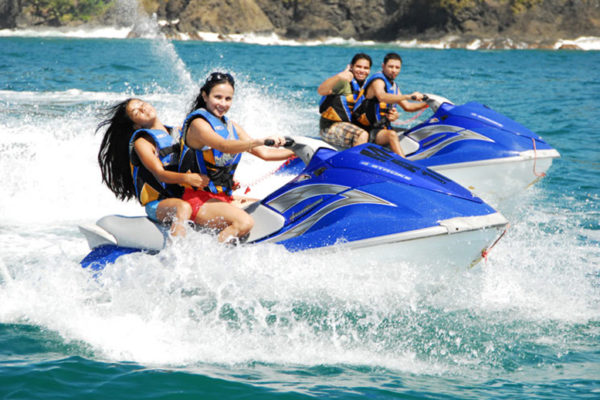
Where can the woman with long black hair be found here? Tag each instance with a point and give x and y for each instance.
(138, 158)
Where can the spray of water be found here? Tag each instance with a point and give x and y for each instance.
(145, 26)
(198, 302)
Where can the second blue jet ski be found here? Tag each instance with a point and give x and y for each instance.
(475, 146)
(479, 148)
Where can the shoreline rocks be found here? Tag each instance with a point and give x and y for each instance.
(485, 24)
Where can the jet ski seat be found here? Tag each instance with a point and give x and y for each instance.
(408, 145)
(266, 221)
(117, 230)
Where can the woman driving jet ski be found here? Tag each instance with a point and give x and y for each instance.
(212, 144)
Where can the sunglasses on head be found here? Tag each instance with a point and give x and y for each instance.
(220, 76)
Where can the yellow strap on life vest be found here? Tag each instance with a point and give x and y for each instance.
(148, 194)
(331, 115)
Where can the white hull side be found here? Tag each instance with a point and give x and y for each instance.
(499, 179)
(433, 246)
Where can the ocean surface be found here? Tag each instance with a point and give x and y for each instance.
(203, 322)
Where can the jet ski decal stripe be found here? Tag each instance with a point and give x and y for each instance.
(348, 198)
(421, 134)
(461, 134)
(292, 197)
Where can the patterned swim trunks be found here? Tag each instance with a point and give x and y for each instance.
(341, 134)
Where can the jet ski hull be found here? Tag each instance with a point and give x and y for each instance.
(435, 246)
(448, 246)
(498, 179)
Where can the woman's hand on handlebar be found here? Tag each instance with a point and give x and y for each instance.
(274, 141)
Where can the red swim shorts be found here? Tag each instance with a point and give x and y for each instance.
(197, 198)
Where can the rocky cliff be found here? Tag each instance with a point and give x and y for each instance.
(535, 22)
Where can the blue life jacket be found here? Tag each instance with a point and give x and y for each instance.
(370, 113)
(337, 107)
(219, 167)
(147, 187)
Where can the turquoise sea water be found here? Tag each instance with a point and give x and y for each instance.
(257, 322)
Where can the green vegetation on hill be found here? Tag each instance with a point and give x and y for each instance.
(61, 12)
(516, 6)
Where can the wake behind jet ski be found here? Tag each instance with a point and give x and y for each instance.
(366, 199)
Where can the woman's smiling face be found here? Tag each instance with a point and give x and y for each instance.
(219, 100)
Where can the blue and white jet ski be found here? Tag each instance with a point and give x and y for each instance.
(366, 199)
(475, 146)
(479, 148)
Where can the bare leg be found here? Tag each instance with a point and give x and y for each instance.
(177, 211)
(363, 137)
(231, 220)
(389, 137)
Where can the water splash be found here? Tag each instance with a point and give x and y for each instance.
(263, 304)
(145, 26)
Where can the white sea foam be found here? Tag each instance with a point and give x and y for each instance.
(585, 43)
(107, 32)
(415, 43)
(267, 39)
(64, 96)
(244, 305)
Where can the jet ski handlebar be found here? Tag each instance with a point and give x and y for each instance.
(434, 101)
(302, 146)
(289, 142)
(425, 97)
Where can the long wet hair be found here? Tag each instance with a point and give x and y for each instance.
(113, 156)
(214, 79)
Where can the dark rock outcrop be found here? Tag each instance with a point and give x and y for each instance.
(219, 16)
(501, 23)
(9, 12)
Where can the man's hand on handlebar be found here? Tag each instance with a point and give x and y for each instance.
(418, 96)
